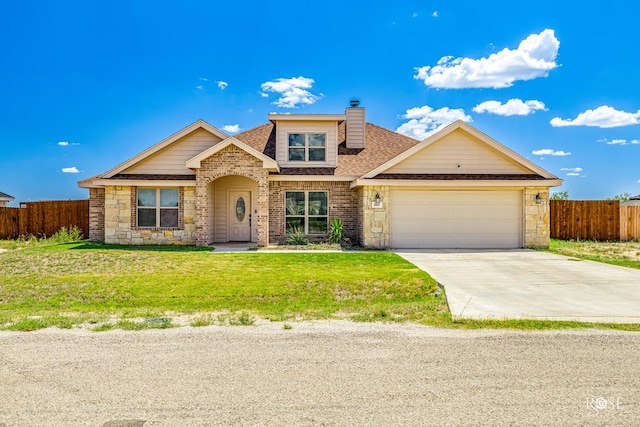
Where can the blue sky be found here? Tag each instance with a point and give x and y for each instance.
(86, 85)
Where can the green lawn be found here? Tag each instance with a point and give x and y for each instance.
(76, 283)
(626, 254)
(137, 287)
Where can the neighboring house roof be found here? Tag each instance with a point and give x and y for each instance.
(633, 201)
(5, 196)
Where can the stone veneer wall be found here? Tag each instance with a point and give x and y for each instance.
(374, 231)
(96, 214)
(119, 219)
(343, 204)
(537, 227)
(231, 161)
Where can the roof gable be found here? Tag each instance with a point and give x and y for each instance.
(5, 196)
(267, 162)
(459, 149)
(168, 145)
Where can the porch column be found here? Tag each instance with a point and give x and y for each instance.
(202, 205)
(263, 209)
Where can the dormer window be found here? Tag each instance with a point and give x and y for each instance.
(307, 147)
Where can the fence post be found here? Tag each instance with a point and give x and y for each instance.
(23, 219)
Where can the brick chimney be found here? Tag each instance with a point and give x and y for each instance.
(355, 132)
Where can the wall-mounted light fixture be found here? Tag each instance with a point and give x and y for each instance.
(538, 199)
(377, 198)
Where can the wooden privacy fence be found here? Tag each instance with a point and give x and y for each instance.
(44, 218)
(629, 223)
(594, 220)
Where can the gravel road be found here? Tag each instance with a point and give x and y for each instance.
(330, 373)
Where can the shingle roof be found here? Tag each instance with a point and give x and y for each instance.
(381, 145)
(6, 196)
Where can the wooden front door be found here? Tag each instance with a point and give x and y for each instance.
(239, 216)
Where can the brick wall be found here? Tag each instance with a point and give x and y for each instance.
(343, 204)
(231, 161)
(96, 214)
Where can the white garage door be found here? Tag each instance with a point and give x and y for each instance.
(456, 219)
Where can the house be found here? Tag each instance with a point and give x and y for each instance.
(456, 189)
(5, 199)
(633, 201)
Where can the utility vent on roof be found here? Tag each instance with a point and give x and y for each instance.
(355, 132)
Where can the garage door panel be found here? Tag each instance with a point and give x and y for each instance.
(456, 219)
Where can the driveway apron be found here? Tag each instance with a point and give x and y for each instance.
(528, 284)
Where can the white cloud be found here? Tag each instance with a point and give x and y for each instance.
(534, 57)
(63, 143)
(619, 141)
(435, 14)
(414, 15)
(264, 95)
(222, 85)
(602, 117)
(231, 128)
(573, 172)
(293, 92)
(424, 121)
(204, 79)
(72, 169)
(550, 152)
(200, 87)
(513, 107)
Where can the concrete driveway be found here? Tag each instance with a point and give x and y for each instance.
(519, 284)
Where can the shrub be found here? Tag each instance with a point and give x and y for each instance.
(336, 232)
(65, 235)
(296, 236)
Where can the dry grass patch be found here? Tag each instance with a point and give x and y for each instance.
(626, 254)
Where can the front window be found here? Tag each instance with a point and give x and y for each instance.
(307, 147)
(307, 211)
(158, 207)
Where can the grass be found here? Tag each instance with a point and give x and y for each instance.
(87, 283)
(106, 287)
(625, 254)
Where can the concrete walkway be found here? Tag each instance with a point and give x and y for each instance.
(516, 284)
(234, 247)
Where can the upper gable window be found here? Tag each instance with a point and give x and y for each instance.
(307, 147)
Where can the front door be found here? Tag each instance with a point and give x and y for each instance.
(239, 216)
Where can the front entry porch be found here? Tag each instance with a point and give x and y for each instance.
(232, 194)
(232, 210)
